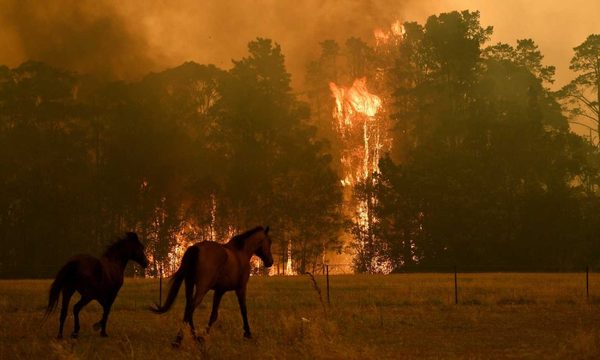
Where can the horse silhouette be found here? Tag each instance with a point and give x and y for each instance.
(95, 279)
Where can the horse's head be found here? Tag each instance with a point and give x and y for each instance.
(264, 248)
(135, 249)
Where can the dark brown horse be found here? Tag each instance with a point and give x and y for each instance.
(95, 279)
(220, 267)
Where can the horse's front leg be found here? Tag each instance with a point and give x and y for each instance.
(101, 325)
(241, 296)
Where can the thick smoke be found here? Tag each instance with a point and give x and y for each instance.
(87, 36)
(127, 38)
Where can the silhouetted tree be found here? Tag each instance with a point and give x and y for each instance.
(580, 100)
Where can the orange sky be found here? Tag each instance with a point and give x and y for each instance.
(127, 38)
(556, 25)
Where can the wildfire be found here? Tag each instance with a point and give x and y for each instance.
(397, 28)
(396, 32)
(356, 105)
(363, 132)
(361, 146)
(354, 100)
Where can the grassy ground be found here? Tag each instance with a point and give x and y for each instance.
(398, 316)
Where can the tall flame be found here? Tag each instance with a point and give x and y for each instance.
(361, 146)
(354, 106)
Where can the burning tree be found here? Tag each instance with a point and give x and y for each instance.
(362, 139)
(360, 130)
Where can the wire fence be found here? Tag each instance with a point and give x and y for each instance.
(459, 279)
(468, 280)
(40, 271)
(349, 269)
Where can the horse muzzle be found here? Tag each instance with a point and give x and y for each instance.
(268, 263)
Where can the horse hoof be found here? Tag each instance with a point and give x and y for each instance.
(59, 337)
(247, 335)
(74, 335)
(176, 343)
(200, 339)
(96, 326)
(103, 334)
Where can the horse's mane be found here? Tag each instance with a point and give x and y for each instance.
(238, 240)
(116, 246)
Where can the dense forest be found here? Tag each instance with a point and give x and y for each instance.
(481, 169)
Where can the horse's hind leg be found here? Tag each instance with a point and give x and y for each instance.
(200, 293)
(188, 313)
(67, 293)
(190, 305)
(76, 309)
(188, 316)
(214, 314)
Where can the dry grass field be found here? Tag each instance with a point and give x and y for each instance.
(519, 316)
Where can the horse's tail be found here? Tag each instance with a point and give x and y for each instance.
(186, 270)
(64, 274)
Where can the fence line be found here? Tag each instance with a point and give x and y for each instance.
(472, 270)
(329, 269)
(48, 271)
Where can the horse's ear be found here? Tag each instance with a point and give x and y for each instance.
(267, 230)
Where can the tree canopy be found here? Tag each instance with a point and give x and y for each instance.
(484, 172)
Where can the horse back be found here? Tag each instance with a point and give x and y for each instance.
(211, 255)
(219, 266)
(88, 274)
(87, 266)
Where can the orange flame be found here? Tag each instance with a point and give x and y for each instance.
(398, 29)
(354, 100)
(396, 32)
(364, 136)
(381, 37)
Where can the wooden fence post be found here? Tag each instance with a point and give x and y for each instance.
(160, 276)
(455, 286)
(327, 269)
(587, 283)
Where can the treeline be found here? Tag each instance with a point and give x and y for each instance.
(484, 171)
(193, 153)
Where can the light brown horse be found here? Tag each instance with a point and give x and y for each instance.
(220, 267)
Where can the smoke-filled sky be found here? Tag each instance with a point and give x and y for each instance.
(127, 38)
